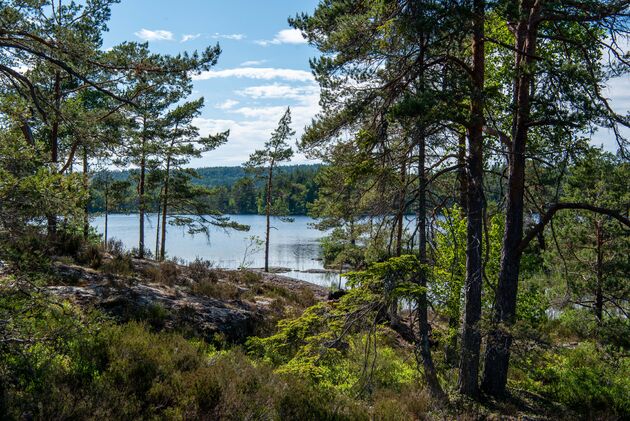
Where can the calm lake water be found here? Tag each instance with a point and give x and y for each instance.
(293, 245)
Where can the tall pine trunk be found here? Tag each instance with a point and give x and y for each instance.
(165, 208)
(106, 213)
(430, 373)
(141, 198)
(400, 220)
(157, 228)
(599, 267)
(471, 335)
(452, 357)
(497, 356)
(462, 179)
(268, 215)
(86, 186)
(54, 146)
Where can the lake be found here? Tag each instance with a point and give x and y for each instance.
(293, 245)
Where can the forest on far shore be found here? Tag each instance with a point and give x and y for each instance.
(233, 190)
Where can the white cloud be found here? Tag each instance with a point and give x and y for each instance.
(261, 112)
(235, 37)
(250, 132)
(253, 63)
(286, 36)
(156, 35)
(264, 73)
(227, 104)
(279, 91)
(618, 93)
(189, 37)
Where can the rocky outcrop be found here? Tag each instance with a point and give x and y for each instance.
(172, 306)
(165, 307)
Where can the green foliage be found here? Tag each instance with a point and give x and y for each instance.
(83, 367)
(590, 254)
(231, 191)
(331, 343)
(201, 270)
(588, 379)
(395, 278)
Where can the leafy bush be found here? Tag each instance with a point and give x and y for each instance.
(588, 379)
(338, 252)
(68, 242)
(119, 264)
(28, 252)
(245, 277)
(115, 247)
(214, 289)
(90, 254)
(582, 324)
(103, 371)
(201, 270)
(166, 273)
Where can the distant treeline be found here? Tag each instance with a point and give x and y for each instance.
(235, 190)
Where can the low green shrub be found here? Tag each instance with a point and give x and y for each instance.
(201, 270)
(90, 254)
(129, 372)
(119, 264)
(218, 290)
(589, 379)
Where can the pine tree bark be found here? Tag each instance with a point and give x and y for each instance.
(141, 187)
(497, 355)
(462, 179)
(400, 219)
(54, 132)
(165, 208)
(471, 335)
(430, 373)
(106, 213)
(167, 180)
(157, 228)
(54, 147)
(452, 357)
(86, 186)
(268, 214)
(599, 293)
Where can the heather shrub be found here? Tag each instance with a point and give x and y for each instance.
(201, 270)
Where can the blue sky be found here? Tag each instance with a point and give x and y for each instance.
(262, 70)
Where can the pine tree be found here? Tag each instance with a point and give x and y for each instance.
(264, 161)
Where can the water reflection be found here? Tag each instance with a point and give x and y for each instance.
(294, 245)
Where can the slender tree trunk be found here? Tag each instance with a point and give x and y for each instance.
(106, 212)
(141, 198)
(462, 179)
(497, 356)
(54, 132)
(353, 240)
(54, 146)
(401, 206)
(452, 357)
(165, 208)
(157, 229)
(268, 215)
(599, 294)
(86, 186)
(471, 336)
(400, 219)
(430, 373)
(106, 222)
